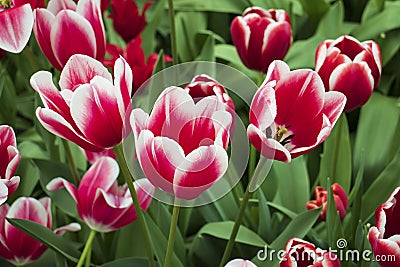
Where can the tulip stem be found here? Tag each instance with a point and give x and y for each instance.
(87, 248)
(171, 237)
(89, 257)
(118, 150)
(173, 32)
(71, 161)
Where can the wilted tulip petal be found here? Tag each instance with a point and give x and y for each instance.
(385, 235)
(291, 113)
(240, 263)
(261, 36)
(16, 27)
(102, 204)
(351, 67)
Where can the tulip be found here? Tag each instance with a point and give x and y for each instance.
(181, 146)
(9, 160)
(18, 247)
(351, 67)
(135, 57)
(89, 110)
(385, 235)
(240, 263)
(16, 20)
(92, 157)
(261, 36)
(65, 29)
(101, 203)
(291, 113)
(126, 19)
(302, 253)
(321, 199)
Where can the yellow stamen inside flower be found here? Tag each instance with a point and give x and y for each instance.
(280, 132)
(5, 3)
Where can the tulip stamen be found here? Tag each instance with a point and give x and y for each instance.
(6, 3)
(283, 135)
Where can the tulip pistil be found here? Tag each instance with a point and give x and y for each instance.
(283, 135)
(6, 3)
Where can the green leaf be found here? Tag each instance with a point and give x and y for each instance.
(264, 218)
(148, 35)
(331, 25)
(207, 52)
(372, 8)
(29, 172)
(225, 6)
(333, 223)
(298, 227)
(315, 8)
(128, 262)
(302, 52)
(389, 45)
(336, 159)
(46, 236)
(8, 111)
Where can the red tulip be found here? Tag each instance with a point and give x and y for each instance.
(385, 236)
(303, 253)
(181, 146)
(351, 67)
(321, 199)
(16, 246)
(65, 29)
(135, 57)
(16, 20)
(261, 36)
(102, 204)
(291, 113)
(90, 109)
(240, 263)
(126, 19)
(34, 3)
(9, 160)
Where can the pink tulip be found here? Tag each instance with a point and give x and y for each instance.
(351, 67)
(102, 204)
(321, 199)
(89, 110)
(291, 113)
(9, 160)
(65, 29)
(126, 19)
(385, 235)
(302, 253)
(261, 36)
(181, 146)
(16, 20)
(16, 246)
(92, 157)
(142, 69)
(240, 263)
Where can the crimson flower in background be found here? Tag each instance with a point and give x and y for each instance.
(16, 20)
(9, 160)
(351, 67)
(321, 199)
(92, 157)
(181, 146)
(261, 36)
(385, 235)
(291, 113)
(16, 246)
(89, 110)
(102, 204)
(303, 253)
(135, 57)
(34, 3)
(126, 19)
(66, 28)
(240, 263)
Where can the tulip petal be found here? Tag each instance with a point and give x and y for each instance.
(67, 29)
(334, 103)
(95, 101)
(3, 192)
(123, 83)
(368, 57)
(10, 155)
(72, 227)
(144, 190)
(81, 69)
(263, 107)
(55, 6)
(199, 171)
(16, 27)
(139, 120)
(58, 183)
(44, 21)
(276, 70)
(240, 263)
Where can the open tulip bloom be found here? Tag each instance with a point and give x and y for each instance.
(90, 109)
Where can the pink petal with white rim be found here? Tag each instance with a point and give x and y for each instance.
(69, 27)
(46, 203)
(276, 70)
(72, 227)
(94, 109)
(334, 103)
(355, 81)
(240, 32)
(263, 107)
(222, 121)
(58, 183)
(321, 53)
(90, 10)
(16, 27)
(123, 83)
(81, 69)
(144, 190)
(240, 263)
(376, 52)
(3, 192)
(55, 6)
(14, 158)
(199, 171)
(12, 184)
(368, 57)
(159, 157)
(139, 120)
(56, 124)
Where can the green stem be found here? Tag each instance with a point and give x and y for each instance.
(87, 248)
(173, 32)
(252, 161)
(71, 161)
(118, 150)
(171, 237)
(88, 257)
